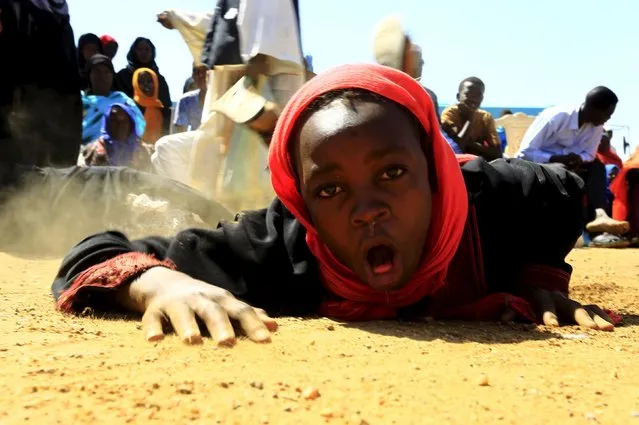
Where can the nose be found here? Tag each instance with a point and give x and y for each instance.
(369, 211)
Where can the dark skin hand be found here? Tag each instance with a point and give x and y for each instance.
(163, 19)
(554, 308)
(470, 98)
(572, 161)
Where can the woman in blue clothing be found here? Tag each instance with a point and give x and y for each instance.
(99, 98)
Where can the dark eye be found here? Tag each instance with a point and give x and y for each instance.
(393, 173)
(328, 191)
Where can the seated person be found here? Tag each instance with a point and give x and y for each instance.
(188, 113)
(358, 231)
(145, 94)
(99, 98)
(109, 46)
(471, 128)
(501, 131)
(120, 144)
(570, 135)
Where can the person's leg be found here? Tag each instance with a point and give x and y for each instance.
(594, 175)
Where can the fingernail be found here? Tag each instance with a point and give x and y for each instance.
(227, 342)
(192, 339)
(154, 337)
(263, 335)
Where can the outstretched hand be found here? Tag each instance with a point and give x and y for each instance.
(554, 307)
(165, 20)
(167, 296)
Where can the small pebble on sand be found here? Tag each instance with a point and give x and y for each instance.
(327, 413)
(310, 393)
(482, 381)
(330, 327)
(183, 389)
(356, 420)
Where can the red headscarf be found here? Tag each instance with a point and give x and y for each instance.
(106, 39)
(357, 301)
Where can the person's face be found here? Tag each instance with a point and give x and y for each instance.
(364, 179)
(199, 77)
(146, 84)
(119, 125)
(600, 116)
(101, 79)
(144, 52)
(111, 49)
(90, 49)
(471, 95)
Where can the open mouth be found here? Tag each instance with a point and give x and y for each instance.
(380, 259)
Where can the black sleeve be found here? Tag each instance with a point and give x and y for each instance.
(529, 217)
(262, 259)
(124, 82)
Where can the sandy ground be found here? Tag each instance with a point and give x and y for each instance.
(75, 370)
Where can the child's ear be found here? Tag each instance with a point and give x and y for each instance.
(457, 97)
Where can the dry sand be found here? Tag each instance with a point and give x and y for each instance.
(73, 370)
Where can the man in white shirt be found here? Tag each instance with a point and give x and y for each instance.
(570, 135)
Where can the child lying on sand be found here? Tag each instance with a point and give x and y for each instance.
(374, 219)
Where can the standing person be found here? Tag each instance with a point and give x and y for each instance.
(570, 135)
(40, 107)
(145, 94)
(142, 55)
(188, 114)
(88, 45)
(470, 128)
(393, 47)
(109, 46)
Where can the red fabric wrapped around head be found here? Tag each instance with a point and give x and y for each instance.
(354, 299)
(106, 39)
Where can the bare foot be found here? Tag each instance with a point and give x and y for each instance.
(604, 224)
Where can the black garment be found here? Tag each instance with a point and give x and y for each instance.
(527, 214)
(222, 43)
(124, 82)
(40, 108)
(66, 204)
(594, 175)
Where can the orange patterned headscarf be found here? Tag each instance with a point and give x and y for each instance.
(151, 104)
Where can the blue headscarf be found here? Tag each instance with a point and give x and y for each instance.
(98, 107)
(121, 152)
